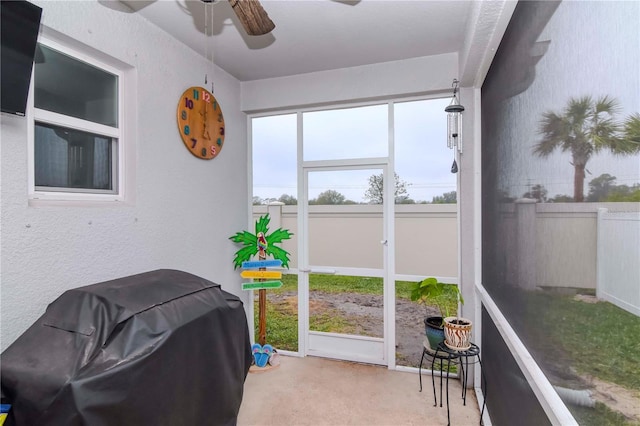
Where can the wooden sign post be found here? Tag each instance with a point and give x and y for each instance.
(261, 284)
(262, 244)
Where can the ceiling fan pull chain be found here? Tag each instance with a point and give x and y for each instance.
(206, 34)
(213, 66)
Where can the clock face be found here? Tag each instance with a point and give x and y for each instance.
(201, 123)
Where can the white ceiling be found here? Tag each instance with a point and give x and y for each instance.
(312, 35)
(318, 35)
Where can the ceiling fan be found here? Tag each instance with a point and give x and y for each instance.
(252, 15)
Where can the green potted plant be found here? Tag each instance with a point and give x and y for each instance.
(453, 329)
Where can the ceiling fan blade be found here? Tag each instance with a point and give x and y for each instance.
(253, 17)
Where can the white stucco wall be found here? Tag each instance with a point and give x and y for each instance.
(183, 209)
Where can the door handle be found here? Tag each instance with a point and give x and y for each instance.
(320, 271)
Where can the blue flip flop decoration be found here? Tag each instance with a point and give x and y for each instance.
(261, 354)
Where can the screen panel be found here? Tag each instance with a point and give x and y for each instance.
(559, 105)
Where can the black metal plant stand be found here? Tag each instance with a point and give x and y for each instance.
(442, 353)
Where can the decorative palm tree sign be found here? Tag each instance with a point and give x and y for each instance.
(263, 244)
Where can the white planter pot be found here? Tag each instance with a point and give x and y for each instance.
(457, 333)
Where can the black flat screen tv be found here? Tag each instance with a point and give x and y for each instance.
(20, 23)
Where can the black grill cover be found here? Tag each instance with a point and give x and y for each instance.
(160, 348)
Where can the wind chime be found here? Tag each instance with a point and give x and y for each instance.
(454, 124)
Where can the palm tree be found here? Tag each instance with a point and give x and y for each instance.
(585, 127)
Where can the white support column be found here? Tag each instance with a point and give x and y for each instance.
(468, 214)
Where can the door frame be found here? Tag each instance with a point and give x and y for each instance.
(387, 347)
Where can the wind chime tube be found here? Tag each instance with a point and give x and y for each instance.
(459, 132)
(453, 133)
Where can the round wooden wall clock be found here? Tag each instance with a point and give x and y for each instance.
(201, 123)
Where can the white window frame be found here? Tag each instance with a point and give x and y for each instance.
(49, 117)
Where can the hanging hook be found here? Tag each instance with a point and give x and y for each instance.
(455, 85)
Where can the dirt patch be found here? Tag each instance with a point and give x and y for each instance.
(366, 312)
(617, 398)
(586, 298)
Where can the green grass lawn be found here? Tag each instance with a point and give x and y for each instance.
(600, 339)
(343, 284)
(584, 339)
(600, 415)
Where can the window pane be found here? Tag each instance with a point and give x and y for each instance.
(346, 133)
(422, 159)
(360, 186)
(274, 142)
(66, 158)
(68, 86)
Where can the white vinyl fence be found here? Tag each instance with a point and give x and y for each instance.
(426, 237)
(618, 259)
(592, 246)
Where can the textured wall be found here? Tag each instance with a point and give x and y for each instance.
(182, 210)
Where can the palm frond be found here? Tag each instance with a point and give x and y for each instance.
(604, 134)
(278, 235)
(632, 129)
(244, 237)
(578, 110)
(244, 254)
(554, 130)
(262, 224)
(278, 254)
(606, 104)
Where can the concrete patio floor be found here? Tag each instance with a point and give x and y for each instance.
(317, 391)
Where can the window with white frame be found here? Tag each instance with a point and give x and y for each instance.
(77, 134)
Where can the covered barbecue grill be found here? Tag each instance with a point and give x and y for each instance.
(159, 348)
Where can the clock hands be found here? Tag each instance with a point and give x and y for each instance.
(205, 130)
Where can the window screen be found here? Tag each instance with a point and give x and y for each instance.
(560, 152)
